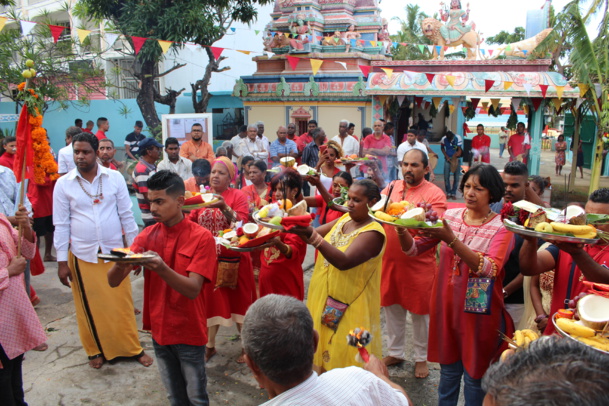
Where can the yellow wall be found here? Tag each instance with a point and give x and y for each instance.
(328, 115)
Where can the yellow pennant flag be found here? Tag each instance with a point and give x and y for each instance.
(164, 45)
(525, 108)
(557, 104)
(495, 103)
(583, 89)
(451, 108)
(244, 52)
(373, 43)
(383, 100)
(315, 65)
(82, 34)
(559, 90)
(451, 80)
(436, 101)
(507, 85)
(2, 22)
(485, 105)
(388, 72)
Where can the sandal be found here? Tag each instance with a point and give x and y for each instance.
(96, 361)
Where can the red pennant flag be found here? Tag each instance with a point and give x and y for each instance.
(293, 60)
(503, 110)
(544, 89)
(365, 69)
(216, 51)
(536, 102)
(56, 31)
(418, 100)
(25, 151)
(138, 42)
(430, 77)
(403, 44)
(445, 48)
(463, 109)
(475, 103)
(488, 84)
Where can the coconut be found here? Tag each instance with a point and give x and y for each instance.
(229, 235)
(418, 214)
(304, 169)
(207, 197)
(287, 161)
(575, 215)
(593, 311)
(250, 230)
(299, 209)
(380, 205)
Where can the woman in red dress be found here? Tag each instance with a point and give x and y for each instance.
(259, 192)
(225, 305)
(328, 211)
(281, 264)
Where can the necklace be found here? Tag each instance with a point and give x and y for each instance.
(97, 198)
(483, 220)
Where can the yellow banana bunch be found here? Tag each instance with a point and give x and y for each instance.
(601, 343)
(570, 327)
(384, 216)
(584, 231)
(524, 337)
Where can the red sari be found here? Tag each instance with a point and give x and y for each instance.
(225, 305)
(282, 275)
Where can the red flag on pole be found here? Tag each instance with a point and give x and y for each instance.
(138, 42)
(56, 31)
(25, 151)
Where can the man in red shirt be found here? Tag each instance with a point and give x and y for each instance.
(305, 139)
(9, 145)
(292, 132)
(184, 258)
(103, 125)
(519, 144)
(89, 128)
(378, 144)
(481, 146)
(105, 154)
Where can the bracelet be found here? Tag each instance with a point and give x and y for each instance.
(450, 244)
(312, 238)
(319, 242)
(540, 317)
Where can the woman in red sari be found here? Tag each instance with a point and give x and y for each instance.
(258, 193)
(281, 264)
(225, 305)
(327, 211)
(467, 308)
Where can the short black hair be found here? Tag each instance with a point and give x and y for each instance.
(422, 132)
(489, 178)
(372, 190)
(424, 157)
(6, 140)
(388, 126)
(312, 122)
(101, 121)
(246, 160)
(520, 122)
(107, 140)
(541, 182)
(366, 131)
(346, 176)
(197, 125)
(351, 125)
(243, 128)
(78, 122)
(600, 195)
(289, 177)
(201, 167)
(86, 137)
(171, 141)
(168, 181)
(260, 164)
(139, 124)
(480, 125)
(516, 168)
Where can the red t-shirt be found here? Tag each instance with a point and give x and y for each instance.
(41, 197)
(372, 142)
(482, 143)
(86, 130)
(7, 160)
(186, 247)
(519, 144)
(100, 135)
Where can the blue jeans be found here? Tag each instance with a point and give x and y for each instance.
(501, 149)
(451, 190)
(182, 369)
(450, 381)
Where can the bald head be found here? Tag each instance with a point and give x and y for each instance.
(378, 128)
(282, 133)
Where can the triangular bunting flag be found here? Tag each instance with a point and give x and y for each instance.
(527, 87)
(557, 103)
(343, 64)
(26, 27)
(463, 109)
(110, 38)
(373, 44)
(502, 110)
(525, 108)
(336, 39)
(516, 103)
(418, 100)
(485, 105)
(430, 47)
(315, 65)
(495, 103)
(430, 77)
(164, 45)
(82, 34)
(450, 79)
(425, 105)
(2, 22)
(475, 102)
(257, 32)
(216, 51)
(578, 102)
(445, 48)
(421, 48)
(559, 90)
(401, 99)
(583, 89)
(233, 29)
(436, 101)
(269, 54)
(293, 61)
(438, 49)
(507, 85)
(451, 108)
(524, 51)
(490, 52)
(318, 38)
(544, 90)
(483, 51)
(395, 44)
(383, 100)
(365, 69)
(353, 42)
(508, 48)
(388, 72)
(488, 84)
(403, 44)
(56, 31)
(138, 42)
(536, 102)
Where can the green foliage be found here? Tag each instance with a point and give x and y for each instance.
(504, 37)
(411, 34)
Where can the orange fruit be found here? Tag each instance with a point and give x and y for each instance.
(287, 202)
(243, 240)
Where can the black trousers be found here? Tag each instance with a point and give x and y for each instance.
(11, 381)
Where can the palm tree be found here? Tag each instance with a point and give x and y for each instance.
(412, 34)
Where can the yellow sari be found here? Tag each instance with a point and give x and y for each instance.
(359, 287)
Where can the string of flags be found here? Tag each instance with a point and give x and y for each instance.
(138, 43)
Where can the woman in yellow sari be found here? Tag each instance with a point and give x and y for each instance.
(344, 292)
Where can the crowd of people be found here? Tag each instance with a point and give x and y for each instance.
(297, 352)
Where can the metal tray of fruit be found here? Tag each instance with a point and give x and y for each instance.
(129, 259)
(258, 220)
(246, 249)
(527, 232)
(410, 224)
(338, 204)
(567, 335)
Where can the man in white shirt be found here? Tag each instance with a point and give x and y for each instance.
(236, 140)
(349, 144)
(91, 211)
(265, 141)
(410, 143)
(174, 162)
(65, 156)
(252, 145)
(279, 342)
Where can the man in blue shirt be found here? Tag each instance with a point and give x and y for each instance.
(451, 146)
(282, 146)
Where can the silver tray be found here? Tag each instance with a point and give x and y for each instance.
(408, 227)
(338, 207)
(566, 335)
(132, 260)
(264, 223)
(518, 229)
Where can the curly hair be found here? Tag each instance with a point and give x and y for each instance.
(336, 147)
